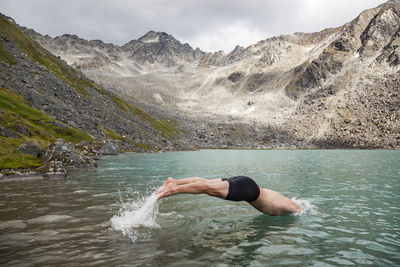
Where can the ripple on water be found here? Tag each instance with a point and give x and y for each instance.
(80, 191)
(50, 219)
(18, 224)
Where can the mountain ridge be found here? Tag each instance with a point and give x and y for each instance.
(304, 90)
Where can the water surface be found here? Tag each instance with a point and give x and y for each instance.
(352, 200)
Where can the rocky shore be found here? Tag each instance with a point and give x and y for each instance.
(60, 157)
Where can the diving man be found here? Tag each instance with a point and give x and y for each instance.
(237, 188)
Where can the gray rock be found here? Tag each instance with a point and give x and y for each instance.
(82, 143)
(235, 76)
(77, 160)
(67, 155)
(30, 148)
(125, 146)
(8, 133)
(23, 129)
(109, 149)
(53, 169)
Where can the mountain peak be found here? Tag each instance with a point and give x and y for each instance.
(154, 37)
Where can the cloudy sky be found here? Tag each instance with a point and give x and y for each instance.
(208, 24)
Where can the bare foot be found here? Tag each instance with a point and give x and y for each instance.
(161, 190)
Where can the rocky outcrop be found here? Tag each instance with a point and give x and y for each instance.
(57, 158)
(31, 148)
(366, 117)
(8, 133)
(61, 156)
(372, 35)
(159, 47)
(109, 149)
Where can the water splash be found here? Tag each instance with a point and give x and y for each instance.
(306, 206)
(136, 215)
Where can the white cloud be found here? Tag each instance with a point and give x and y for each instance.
(227, 37)
(329, 14)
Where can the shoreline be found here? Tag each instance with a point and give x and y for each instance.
(12, 175)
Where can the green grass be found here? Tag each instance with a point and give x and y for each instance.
(17, 112)
(114, 135)
(6, 57)
(144, 146)
(15, 159)
(38, 54)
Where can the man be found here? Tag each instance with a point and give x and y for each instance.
(236, 188)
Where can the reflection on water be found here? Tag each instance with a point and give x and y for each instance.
(106, 217)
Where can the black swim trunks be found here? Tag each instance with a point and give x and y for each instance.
(242, 188)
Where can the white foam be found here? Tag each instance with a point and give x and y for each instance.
(137, 214)
(306, 206)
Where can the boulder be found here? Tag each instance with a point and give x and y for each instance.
(23, 129)
(82, 143)
(53, 169)
(67, 155)
(109, 149)
(8, 133)
(30, 148)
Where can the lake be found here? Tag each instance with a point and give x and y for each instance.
(107, 216)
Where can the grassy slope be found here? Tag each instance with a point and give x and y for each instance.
(16, 112)
(6, 57)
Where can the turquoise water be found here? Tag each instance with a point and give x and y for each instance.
(106, 217)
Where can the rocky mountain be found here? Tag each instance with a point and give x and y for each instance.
(42, 99)
(335, 88)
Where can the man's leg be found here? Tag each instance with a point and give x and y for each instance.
(184, 181)
(178, 182)
(216, 188)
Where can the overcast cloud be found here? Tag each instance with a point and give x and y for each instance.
(210, 25)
